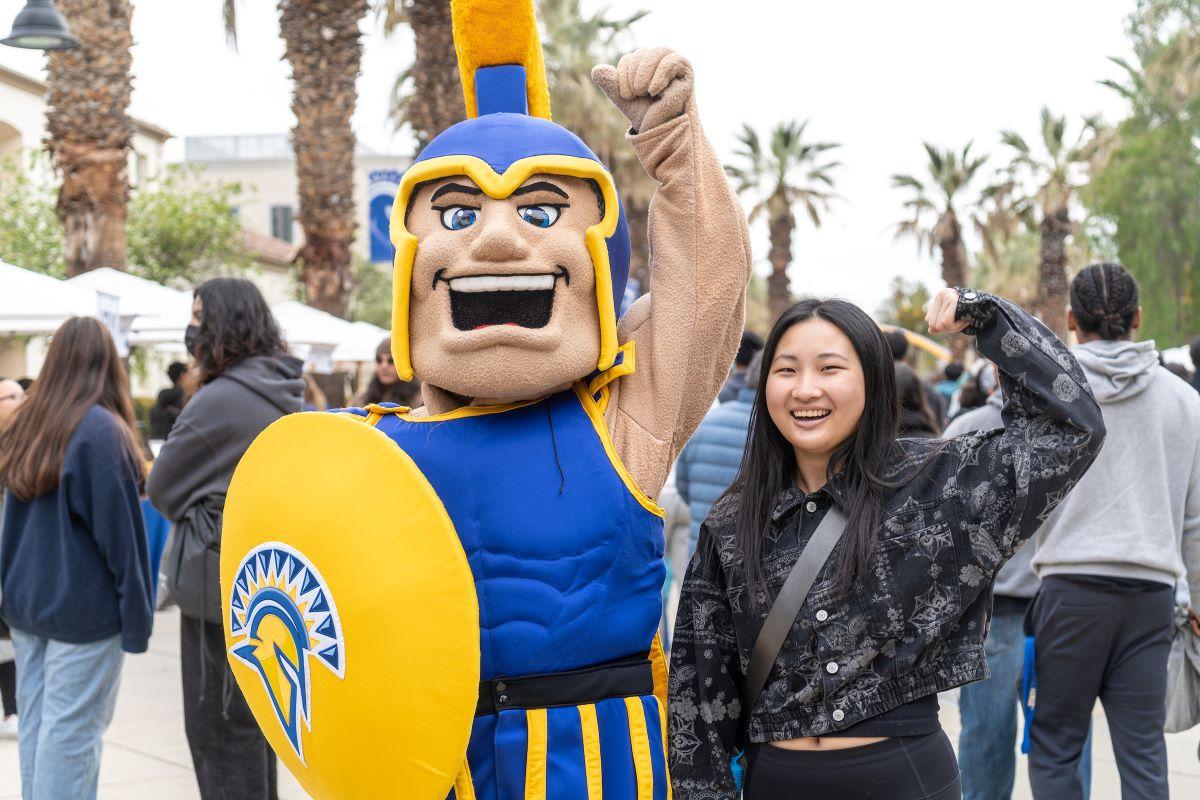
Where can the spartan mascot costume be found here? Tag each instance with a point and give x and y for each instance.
(462, 600)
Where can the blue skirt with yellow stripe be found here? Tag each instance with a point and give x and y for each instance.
(613, 749)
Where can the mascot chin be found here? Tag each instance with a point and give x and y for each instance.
(462, 600)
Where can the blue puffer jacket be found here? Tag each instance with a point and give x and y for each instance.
(709, 462)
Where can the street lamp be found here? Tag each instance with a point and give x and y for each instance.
(40, 26)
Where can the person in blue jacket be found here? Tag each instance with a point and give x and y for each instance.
(74, 561)
(709, 462)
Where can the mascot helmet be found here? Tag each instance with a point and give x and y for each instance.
(507, 137)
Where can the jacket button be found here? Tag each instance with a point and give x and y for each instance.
(839, 715)
(822, 615)
(501, 686)
(831, 667)
(502, 699)
(810, 507)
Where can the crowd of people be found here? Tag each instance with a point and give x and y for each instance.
(983, 534)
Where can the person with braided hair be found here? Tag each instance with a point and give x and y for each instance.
(1111, 553)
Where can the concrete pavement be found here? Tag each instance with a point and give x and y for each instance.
(146, 755)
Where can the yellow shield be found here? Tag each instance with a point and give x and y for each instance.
(350, 613)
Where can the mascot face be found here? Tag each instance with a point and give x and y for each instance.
(503, 290)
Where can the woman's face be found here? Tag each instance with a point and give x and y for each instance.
(815, 389)
(385, 368)
(197, 308)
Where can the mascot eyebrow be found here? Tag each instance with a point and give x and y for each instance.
(545, 186)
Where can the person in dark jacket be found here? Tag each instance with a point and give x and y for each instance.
(899, 610)
(247, 381)
(74, 562)
(749, 347)
(916, 418)
(385, 385)
(169, 403)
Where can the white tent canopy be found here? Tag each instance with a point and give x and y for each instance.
(322, 339)
(33, 303)
(150, 312)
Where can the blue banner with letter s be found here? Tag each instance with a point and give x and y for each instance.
(381, 193)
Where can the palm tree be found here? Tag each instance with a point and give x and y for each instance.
(90, 133)
(428, 95)
(1056, 172)
(935, 217)
(321, 42)
(788, 172)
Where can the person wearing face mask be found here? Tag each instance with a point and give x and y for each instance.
(247, 381)
(846, 576)
(385, 385)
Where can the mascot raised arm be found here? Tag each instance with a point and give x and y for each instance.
(462, 600)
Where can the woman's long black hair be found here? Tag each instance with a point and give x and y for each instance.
(235, 323)
(769, 464)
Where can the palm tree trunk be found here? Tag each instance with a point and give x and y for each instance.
(322, 45)
(954, 267)
(439, 98)
(780, 228)
(90, 133)
(1051, 303)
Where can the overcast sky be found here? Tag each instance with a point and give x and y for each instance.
(878, 77)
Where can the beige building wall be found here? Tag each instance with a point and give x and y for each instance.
(23, 125)
(269, 180)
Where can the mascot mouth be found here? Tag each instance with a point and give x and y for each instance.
(481, 301)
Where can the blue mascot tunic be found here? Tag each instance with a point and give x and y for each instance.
(567, 559)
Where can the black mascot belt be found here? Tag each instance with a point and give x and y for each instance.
(627, 678)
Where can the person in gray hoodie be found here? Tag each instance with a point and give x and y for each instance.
(1111, 553)
(247, 381)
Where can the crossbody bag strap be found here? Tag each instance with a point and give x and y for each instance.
(787, 604)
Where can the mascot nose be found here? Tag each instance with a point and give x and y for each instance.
(500, 241)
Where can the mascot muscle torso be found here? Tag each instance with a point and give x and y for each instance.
(500, 644)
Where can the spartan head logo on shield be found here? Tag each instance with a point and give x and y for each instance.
(282, 620)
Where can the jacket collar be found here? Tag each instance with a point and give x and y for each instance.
(793, 496)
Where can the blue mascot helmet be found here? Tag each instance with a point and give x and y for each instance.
(499, 147)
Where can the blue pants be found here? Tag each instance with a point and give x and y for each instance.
(66, 693)
(987, 754)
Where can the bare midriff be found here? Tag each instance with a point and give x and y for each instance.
(827, 742)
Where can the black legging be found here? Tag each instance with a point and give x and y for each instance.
(8, 687)
(901, 768)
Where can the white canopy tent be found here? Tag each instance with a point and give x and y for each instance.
(322, 339)
(150, 312)
(33, 303)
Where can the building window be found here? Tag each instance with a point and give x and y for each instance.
(281, 223)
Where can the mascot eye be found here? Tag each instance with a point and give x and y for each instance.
(541, 216)
(456, 218)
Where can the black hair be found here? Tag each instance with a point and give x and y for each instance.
(1104, 299)
(953, 370)
(1195, 349)
(769, 464)
(911, 394)
(176, 371)
(751, 343)
(235, 323)
(898, 342)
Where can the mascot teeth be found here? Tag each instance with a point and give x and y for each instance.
(503, 283)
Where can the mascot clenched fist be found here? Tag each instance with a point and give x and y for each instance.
(462, 599)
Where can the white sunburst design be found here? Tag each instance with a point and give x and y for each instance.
(281, 618)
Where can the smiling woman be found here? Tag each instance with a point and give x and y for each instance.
(897, 612)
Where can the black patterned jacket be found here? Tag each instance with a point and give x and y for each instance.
(915, 624)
